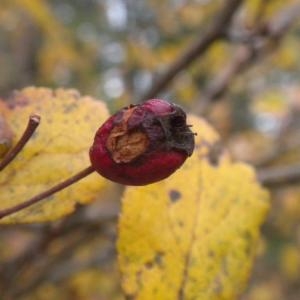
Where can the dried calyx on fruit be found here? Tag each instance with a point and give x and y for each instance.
(143, 143)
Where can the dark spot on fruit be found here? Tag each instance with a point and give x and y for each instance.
(174, 195)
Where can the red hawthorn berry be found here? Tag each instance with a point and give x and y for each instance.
(143, 143)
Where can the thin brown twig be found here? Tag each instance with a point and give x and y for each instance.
(284, 143)
(196, 49)
(97, 260)
(278, 176)
(36, 254)
(242, 58)
(257, 45)
(60, 186)
(51, 267)
(33, 123)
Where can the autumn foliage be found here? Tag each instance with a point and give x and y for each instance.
(204, 226)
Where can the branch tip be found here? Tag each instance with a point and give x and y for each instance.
(33, 123)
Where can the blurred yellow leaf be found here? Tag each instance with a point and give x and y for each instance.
(286, 211)
(290, 262)
(287, 57)
(97, 284)
(255, 8)
(58, 56)
(270, 289)
(216, 58)
(41, 13)
(271, 102)
(141, 54)
(192, 236)
(58, 149)
(192, 15)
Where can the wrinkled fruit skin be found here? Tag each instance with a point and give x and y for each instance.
(143, 143)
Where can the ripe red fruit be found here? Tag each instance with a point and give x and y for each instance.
(143, 143)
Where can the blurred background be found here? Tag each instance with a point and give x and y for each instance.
(241, 73)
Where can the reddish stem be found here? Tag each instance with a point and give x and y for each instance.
(60, 186)
(33, 123)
